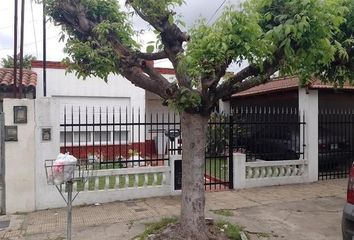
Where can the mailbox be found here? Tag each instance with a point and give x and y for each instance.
(172, 134)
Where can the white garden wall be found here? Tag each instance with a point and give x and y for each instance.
(268, 173)
(27, 188)
(20, 160)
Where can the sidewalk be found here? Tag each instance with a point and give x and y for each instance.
(277, 211)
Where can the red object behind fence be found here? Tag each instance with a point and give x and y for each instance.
(146, 149)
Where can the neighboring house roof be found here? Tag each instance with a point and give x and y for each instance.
(282, 84)
(29, 78)
(275, 85)
(317, 84)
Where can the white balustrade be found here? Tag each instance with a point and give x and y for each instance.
(274, 169)
(268, 173)
(118, 179)
(122, 184)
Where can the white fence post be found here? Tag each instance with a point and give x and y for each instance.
(224, 106)
(2, 164)
(47, 115)
(308, 104)
(20, 159)
(239, 171)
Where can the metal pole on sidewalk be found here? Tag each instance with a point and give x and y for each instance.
(2, 163)
(69, 185)
(44, 50)
(22, 36)
(15, 47)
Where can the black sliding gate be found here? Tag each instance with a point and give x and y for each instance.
(335, 143)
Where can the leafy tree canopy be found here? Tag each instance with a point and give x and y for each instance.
(303, 37)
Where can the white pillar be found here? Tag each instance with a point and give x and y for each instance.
(239, 170)
(224, 107)
(47, 115)
(308, 105)
(20, 159)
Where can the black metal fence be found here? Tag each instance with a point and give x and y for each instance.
(268, 133)
(218, 155)
(335, 143)
(121, 138)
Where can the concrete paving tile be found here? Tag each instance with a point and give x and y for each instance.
(13, 233)
(258, 209)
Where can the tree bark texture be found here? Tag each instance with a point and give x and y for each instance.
(194, 131)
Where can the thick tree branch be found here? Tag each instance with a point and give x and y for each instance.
(171, 36)
(151, 21)
(75, 13)
(244, 85)
(232, 85)
(132, 66)
(209, 83)
(252, 82)
(152, 56)
(243, 81)
(165, 90)
(134, 69)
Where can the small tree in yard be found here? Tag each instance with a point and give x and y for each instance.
(310, 38)
(8, 62)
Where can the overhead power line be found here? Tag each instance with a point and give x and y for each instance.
(216, 11)
(30, 43)
(5, 9)
(27, 21)
(34, 29)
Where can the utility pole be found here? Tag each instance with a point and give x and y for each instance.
(44, 52)
(15, 47)
(21, 47)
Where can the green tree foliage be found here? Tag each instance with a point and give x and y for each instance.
(341, 68)
(304, 37)
(92, 54)
(218, 135)
(8, 62)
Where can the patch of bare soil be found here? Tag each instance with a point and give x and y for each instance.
(173, 232)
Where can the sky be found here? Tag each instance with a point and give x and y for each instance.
(191, 12)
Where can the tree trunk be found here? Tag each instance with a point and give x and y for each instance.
(194, 130)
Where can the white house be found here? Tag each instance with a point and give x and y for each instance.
(93, 91)
(97, 101)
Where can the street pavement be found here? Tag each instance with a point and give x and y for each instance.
(292, 212)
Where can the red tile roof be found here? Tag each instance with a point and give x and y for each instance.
(276, 85)
(29, 78)
(317, 84)
(286, 84)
